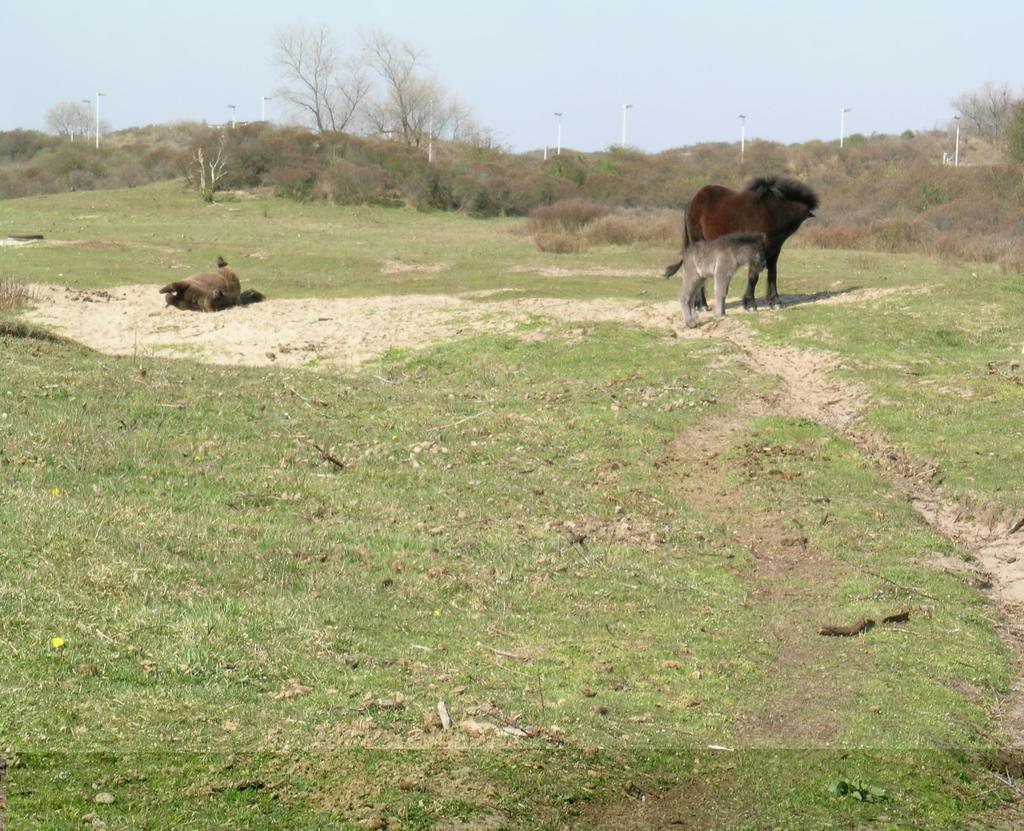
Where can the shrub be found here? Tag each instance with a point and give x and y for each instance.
(628, 227)
(566, 215)
(1015, 134)
(350, 184)
(558, 242)
(13, 293)
(1012, 258)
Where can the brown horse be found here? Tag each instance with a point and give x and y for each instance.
(210, 292)
(772, 205)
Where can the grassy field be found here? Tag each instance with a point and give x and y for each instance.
(263, 581)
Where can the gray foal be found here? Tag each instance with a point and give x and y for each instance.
(719, 258)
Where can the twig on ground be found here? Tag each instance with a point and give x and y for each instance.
(458, 421)
(326, 455)
(515, 656)
(908, 589)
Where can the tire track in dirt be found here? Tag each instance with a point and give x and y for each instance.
(811, 390)
(994, 538)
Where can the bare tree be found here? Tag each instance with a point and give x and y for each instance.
(326, 89)
(412, 104)
(403, 110)
(987, 111)
(206, 170)
(69, 118)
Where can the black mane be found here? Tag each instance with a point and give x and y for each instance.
(788, 190)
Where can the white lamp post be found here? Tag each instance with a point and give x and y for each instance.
(558, 135)
(99, 95)
(232, 107)
(625, 107)
(956, 152)
(263, 106)
(842, 123)
(743, 136)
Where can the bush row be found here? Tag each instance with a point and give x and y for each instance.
(885, 192)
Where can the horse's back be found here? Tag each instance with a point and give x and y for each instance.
(716, 210)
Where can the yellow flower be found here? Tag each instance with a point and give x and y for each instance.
(55, 491)
(437, 613)
(57, 643)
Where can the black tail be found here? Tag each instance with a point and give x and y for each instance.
(673, 268)
(251, 296)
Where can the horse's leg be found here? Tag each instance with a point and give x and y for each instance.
(772, 295)
(748, 296)
(722, 278)
(692, 284)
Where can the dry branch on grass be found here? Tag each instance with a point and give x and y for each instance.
(522, 654)
(862, 625)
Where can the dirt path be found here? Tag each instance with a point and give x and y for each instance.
(811, 391)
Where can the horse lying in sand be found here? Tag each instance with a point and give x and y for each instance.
(720, 258)
(210, 291)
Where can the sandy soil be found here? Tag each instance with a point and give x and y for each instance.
(340, 332)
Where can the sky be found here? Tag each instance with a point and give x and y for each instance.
(687, 68)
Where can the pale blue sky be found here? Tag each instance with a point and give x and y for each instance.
(688, 68)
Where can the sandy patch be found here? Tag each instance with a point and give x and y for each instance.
(406, 267)
(339, 332)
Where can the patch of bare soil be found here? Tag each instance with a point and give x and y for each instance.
(405, 267)
(133, 320)
(339, 332)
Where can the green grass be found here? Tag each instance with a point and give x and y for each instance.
(158, 233)
(256, 637)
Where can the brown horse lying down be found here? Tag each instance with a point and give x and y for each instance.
(210, 291)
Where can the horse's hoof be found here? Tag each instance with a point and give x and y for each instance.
(750, 304)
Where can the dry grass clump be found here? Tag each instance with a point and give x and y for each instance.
(566, 215)
(628, 227)
(1012, 258)
(903, 237)
(573, 224)
(14, 294)
(558, 242)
